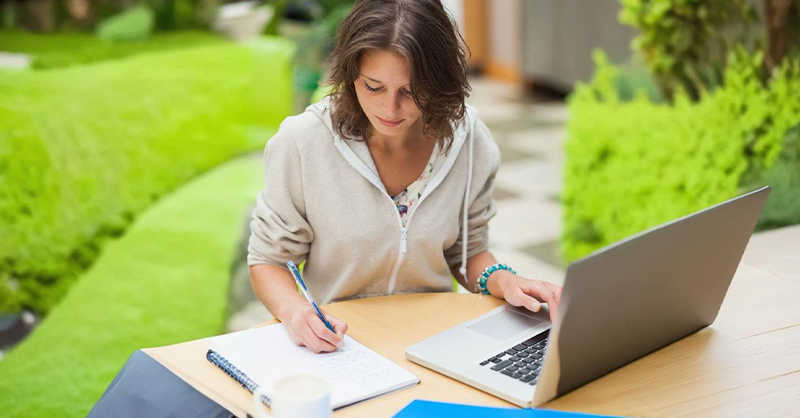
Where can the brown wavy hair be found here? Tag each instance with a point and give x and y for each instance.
(422, 32)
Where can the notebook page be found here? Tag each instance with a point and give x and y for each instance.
(354, 372)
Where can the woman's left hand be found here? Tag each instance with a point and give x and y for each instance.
(529, 293)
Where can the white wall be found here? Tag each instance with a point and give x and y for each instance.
(559, 37)
(456, 10)
(504, 23)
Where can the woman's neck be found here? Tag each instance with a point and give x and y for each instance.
(408, 142)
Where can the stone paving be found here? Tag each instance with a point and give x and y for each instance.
(524, 233)
(530, 133)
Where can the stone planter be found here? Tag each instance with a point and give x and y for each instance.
(242, 20)
(14, 327)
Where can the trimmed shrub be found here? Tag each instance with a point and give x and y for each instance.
(164, 282)
(51, 51)
(634, 164)
(84, 150)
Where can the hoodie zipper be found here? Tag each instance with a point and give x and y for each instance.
(435, 182)
(356, 163)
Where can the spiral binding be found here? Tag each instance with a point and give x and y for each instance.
(232, 371)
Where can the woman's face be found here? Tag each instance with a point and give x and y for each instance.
(384, 93)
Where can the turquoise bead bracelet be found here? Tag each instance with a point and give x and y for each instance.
(480, 286)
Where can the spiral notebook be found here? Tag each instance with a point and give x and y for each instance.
(262, 356)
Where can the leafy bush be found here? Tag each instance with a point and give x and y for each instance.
(633, 79)
(51, 51)
(634, 164)
(164, 282)
(84, 150)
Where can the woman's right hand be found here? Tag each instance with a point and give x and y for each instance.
(306, 329)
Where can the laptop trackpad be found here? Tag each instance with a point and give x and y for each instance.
(505, 324)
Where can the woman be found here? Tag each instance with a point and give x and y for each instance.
(384, 187)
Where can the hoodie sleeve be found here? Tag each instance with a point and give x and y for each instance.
(279, 231)
(482, 206)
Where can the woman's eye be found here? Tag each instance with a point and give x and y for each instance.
(374, 90)
(406, 92)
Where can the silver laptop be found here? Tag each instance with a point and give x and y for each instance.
(618, 304)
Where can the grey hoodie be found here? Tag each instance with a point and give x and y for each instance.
(323, 202)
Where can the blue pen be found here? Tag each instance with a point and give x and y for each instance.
(299, 279)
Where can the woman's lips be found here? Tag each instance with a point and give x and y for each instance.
(388, 123)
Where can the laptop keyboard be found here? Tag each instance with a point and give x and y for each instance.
(522, 361)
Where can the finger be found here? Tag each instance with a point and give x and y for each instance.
(540, 290)
(339, 326)
(554, 306)
(518, 297)
(303, 326)
(537, 289)
(532, 304)
(556, 289)
(323, 333)
(316, 344)
(553, 311)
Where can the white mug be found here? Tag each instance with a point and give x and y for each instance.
(298, 396)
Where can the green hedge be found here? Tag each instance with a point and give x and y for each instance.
(634, 164)
(83, 150)
(164, 282)
(50, 51)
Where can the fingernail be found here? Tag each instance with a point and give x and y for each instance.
(340, 345)
(536, 306)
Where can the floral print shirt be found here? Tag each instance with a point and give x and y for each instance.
(411, 194)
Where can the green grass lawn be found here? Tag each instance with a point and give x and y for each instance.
(164, 281)
(51, 51)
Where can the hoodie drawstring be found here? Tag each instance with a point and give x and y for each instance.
(464, 229)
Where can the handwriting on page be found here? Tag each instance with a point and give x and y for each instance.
(357, 366)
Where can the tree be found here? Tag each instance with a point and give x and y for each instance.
(686, 43)
(782, 19)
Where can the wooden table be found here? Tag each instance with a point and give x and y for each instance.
(746, 364)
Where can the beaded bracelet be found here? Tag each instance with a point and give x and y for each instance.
(480, 285)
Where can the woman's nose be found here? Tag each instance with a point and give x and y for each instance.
(392, 105)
